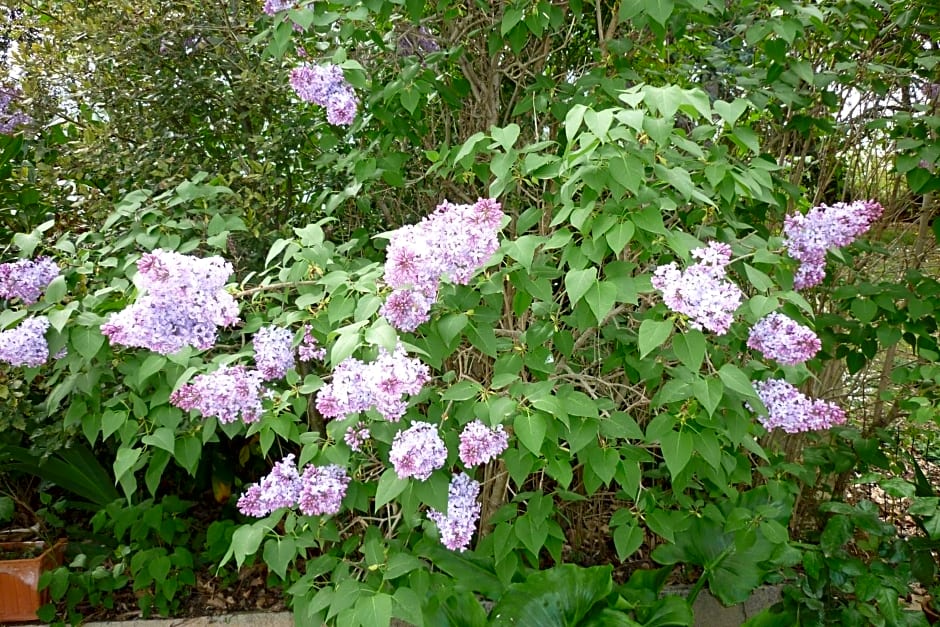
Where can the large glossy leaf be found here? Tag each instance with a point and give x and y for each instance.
(557, 597)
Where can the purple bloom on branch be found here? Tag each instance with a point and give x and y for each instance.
(791, 410)
(227, 393)
(702, 291)
(808, 237)
(783, 339)
(322, 489)
(463, 511)
(273, 7)
(356, 436)
(11, 117)
(417, 451)
(274, 355)
(479, 444)
(325, 85)
(25, 344)
(309, 348)
(280, 488)
(27, 278)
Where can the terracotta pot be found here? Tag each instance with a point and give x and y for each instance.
(19, 578)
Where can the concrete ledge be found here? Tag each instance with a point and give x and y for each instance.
(251, 619)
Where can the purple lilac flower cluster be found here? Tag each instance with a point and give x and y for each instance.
(702, 291)
(183, 303)
(454, 241)
(316, 491)
(791, 410)
(356, 436)
(463, 511)
(417, 451)
(25, 344)
(273, 353)
(273, 7)
(309, 348)
(808, 237)
(11, 118)
(27, 278)
(358, 386)
(226, 393)
(783, 339)
(479, 444)
(322, 489)
(326, 86)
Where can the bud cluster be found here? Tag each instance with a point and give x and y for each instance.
(183, 302)
(454, 241)
(808, 237)
(357, 386)
(702, 291)
(782, 339)
(463, 511)
(326, 86)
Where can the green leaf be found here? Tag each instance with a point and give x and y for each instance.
(730, 111)
(557, 597)
(124, 461)
(187, 452)
(652, 335)
(677, 450)
(708, 392)
(389, 487)
(375, 609)
(600, 298)
(619, 236)
(506, 137)
(245, 542)
(659, 10)
(530, 429)
(344, 346)
(690, 348)
(735, 379)
(279, 553)
(573, 120)
(577, 283)
(164, 438)
(86, 340)
(153, 364)
(627, 539)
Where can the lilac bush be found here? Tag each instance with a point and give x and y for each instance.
(702, 291)
(27, 278)
(782, 339)
(25, 344)
(463, 510)
(808, 236)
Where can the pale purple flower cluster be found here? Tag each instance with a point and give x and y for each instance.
(183, 302)
(417, 451)
(454, 241)
(479, 444)
(273, 7)
(322, 489)
(356, 436)
(25, 344)
(11, 117)
(702, 291)
(280, 488)
(27, 278)
(357, 386)
(309, 348)
(318, 490)
(326, 86)
(274, 355)
(463, 511)
(783, 339)
(791, 410)
(808, 237)
(227, 393)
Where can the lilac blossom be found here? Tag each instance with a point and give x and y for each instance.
(479, 444)
(791, 410)
(454, 241)
(11, 117)
(274, 355)
(183, 302)
(808, 237)
(322, 489)
(280, 488)
(783, 339)
(357, 386)
(356, 436)
(27, 278)
(702, 291)
(309, 348)
(417, 451)
(463, 511)
(326, 86)
(227, 393)
(273, 7)
(25, 344)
